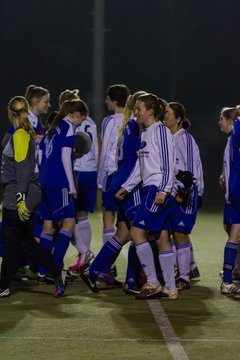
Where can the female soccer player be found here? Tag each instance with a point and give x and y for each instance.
(56, 175)
(85, 169)
(116, 99)
(21, 198)
(184, 208)
(128, 144)
(230, 124)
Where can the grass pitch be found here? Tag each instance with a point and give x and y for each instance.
(111, 325)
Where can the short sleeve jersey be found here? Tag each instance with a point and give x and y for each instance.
(52, 173)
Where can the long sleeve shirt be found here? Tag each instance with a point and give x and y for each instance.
(108, 161)
(155, 164)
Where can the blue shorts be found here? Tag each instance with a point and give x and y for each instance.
(230, 215)
(56, 204)
(150, 216)
(182, 217)
(87, 191)
(128, 207)
(108, 196)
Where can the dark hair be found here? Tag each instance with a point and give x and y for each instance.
(68, 107)
(68, 95)
(230, 113)
(180, 112)
(151, 101)
(118, 93)
(34, 92)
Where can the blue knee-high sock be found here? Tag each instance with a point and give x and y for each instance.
(230, 255)
(105, 258)
(61, 245)
(133, 267)
(46, 240)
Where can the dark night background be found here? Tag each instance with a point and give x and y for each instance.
(181, 50)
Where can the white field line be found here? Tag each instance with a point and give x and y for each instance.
(171, 339)
(77, 338)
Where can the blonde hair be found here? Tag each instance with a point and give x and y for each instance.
(128, 109)
(20, 108)
(68, 95)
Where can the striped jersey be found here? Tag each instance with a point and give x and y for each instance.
(155, 164)
(187, 158)
(89, 161)
(109, 135)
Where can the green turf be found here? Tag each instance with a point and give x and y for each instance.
(111, 325)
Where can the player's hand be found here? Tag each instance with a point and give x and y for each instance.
(160, 198)
(222, 182)
(73, 192)
(23, 212)
(121, 194)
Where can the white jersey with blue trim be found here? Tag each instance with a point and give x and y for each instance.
(108, 161)
(226, 168)
(155, 164)
(37, 127)
(88, 162)
(187, 157)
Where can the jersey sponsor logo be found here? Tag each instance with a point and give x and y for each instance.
(142, 222)
(143, 144)
(181, 223)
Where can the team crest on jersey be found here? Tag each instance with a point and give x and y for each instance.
(143, 144)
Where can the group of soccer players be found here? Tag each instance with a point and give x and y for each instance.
(149, 172)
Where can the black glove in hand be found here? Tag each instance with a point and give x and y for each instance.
(186, 178)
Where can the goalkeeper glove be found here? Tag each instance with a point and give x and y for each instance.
(23, 212)
(186, 178)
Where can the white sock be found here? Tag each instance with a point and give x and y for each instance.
(82, 235)
(145, 255)
(183, 259)
(107, 234)
(166, 259)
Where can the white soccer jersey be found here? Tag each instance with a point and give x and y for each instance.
(226, 168)
(187, 158)
(155, 164)
(109, 133)
(88, 162)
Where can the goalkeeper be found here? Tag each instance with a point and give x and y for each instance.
(21, 197)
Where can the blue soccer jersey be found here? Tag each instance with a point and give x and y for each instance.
(234, 176)
(127, 153)
(52, 173)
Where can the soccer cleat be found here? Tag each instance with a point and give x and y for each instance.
(60, 284)
(149, 291)
(182, 284)
(236, 275)
(71, 277)
(4, 293)
(169, 294)
(131, 290)
(83, 261)
(109, 280)
(22, 273)
(194, 273)
(230, 289)
(89, 281)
